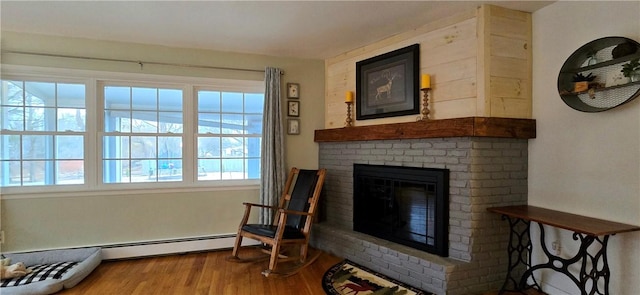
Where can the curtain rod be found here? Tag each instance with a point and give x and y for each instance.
(139, 62)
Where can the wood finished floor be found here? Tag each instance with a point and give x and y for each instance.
(201, 273)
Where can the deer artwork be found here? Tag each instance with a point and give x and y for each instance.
(386, 87)
(357, 288)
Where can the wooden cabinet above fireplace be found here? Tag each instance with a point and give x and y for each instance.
(459, 127)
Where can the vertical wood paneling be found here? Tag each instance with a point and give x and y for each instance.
(451, 52)
(509, 67)
(478, 60)
(509, 28)
(447, 52)
(483, 106)
(510, 58)
(457, 89)
(457, 108)
(456, 70)
(509, 47)
(510, 87)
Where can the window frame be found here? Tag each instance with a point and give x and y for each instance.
(101, 84)
(221, 134)
(93, 184)
(87, 137)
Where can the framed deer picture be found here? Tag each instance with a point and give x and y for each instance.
(387, 85)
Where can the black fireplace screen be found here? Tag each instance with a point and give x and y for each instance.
(406, 205)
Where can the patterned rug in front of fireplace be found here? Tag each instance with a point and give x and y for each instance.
(348, 277)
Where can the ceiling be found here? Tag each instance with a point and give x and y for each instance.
(302, 29)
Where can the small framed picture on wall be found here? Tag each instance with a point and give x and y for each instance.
(293, 108)
(293, 126)
(293, 90)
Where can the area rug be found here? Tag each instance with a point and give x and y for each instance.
(348, 277)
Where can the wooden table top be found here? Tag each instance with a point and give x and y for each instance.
(573, 222)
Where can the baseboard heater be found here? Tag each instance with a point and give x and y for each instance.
(172, 246)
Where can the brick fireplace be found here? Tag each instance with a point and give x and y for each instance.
(487, 163)
(405, 205)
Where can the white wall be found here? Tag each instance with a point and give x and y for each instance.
(585, 163)
(37, 221)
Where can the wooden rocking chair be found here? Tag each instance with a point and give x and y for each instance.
(291, 226)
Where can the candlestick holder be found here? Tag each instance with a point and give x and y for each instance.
(425, 105)
(348, 122)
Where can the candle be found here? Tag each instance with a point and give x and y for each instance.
(426, 81)
(348, 97)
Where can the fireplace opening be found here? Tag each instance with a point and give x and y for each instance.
(405, 205)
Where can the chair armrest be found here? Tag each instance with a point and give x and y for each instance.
(247, 211)
(258, 205)
(285, 211)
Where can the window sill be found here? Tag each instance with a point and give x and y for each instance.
(110, 190)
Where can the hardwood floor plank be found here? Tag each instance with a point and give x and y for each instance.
(199, 273)
(206, 273)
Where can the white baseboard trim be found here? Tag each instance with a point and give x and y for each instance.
(175, 246)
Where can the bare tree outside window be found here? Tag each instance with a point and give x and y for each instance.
(43, 127)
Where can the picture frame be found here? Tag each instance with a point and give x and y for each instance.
(293, 90)
(293, 108)
(387, 85)
(293, 126)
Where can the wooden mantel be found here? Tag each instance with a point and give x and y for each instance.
(459, 127)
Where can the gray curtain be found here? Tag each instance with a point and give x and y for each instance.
(272, 169)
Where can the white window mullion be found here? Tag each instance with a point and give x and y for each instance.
(92, 147)
(189, 138)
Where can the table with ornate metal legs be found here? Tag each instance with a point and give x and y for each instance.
(591, 258)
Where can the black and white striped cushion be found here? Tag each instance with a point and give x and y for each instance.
(40, 272)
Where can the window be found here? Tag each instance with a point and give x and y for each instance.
(229, 135)
(143, 130)
(79, 131)
(43, 133)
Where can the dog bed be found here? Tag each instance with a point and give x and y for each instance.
(53, 270)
